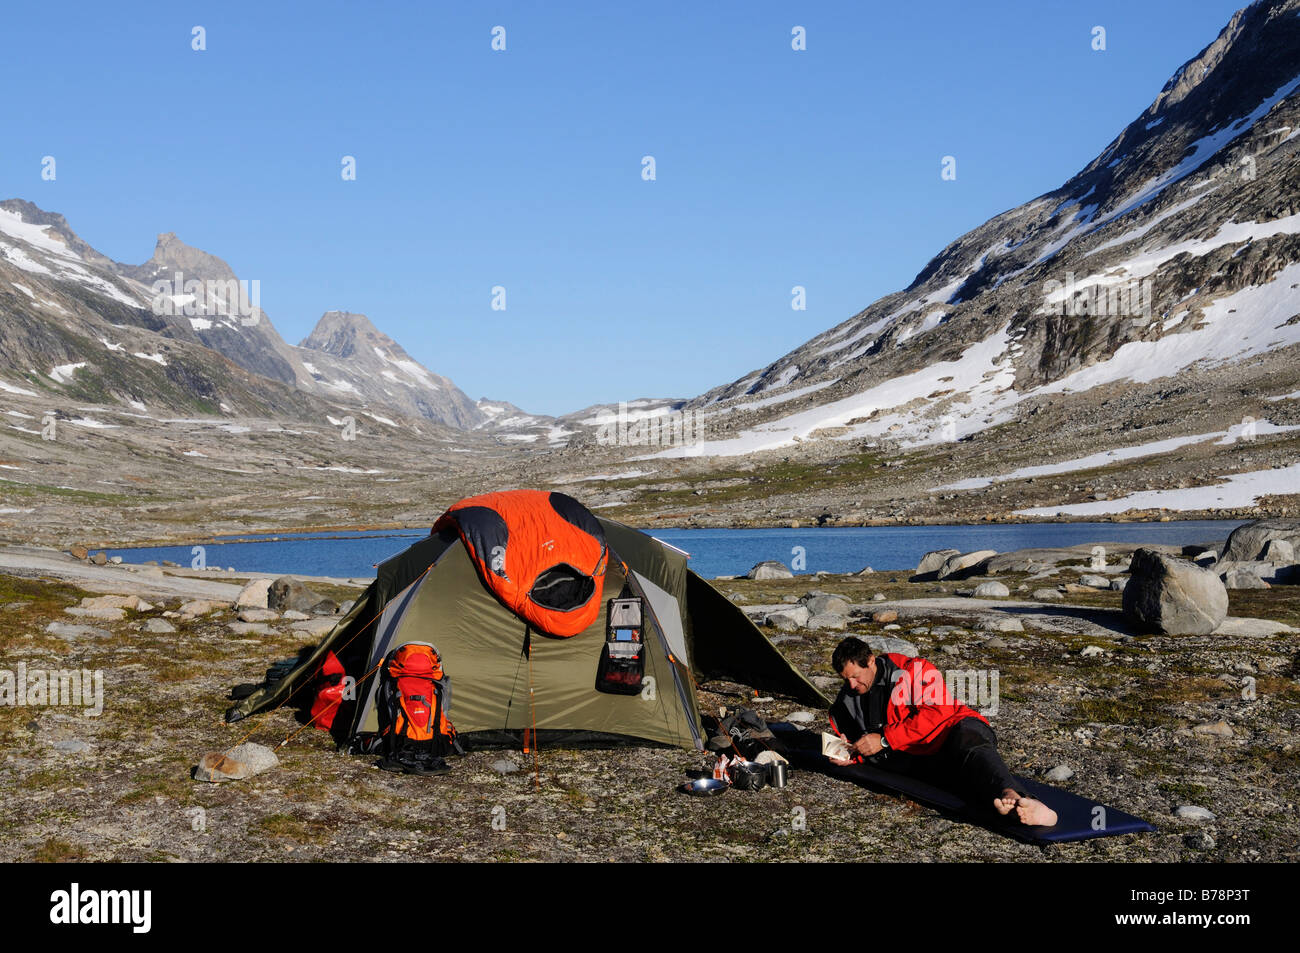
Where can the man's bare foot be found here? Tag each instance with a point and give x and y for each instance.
(1035, 813)
(1006, 803)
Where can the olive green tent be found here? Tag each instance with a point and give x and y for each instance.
(431, 593)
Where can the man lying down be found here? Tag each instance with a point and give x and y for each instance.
(896, 713)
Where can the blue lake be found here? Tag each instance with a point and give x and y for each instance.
(714, 552)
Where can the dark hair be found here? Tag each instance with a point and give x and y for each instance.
(850, 650)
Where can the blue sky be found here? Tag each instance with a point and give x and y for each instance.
(523, 168)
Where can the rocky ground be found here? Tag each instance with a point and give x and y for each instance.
(1147, 723)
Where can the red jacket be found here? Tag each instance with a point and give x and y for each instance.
(921, 709)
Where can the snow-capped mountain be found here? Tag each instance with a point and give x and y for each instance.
(77, 322)
(348, 356)
(1177, 248)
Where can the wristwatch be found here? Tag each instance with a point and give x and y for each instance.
(884, 745)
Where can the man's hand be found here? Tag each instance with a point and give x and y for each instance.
(867, 745)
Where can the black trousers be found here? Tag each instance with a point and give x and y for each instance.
(968, 763)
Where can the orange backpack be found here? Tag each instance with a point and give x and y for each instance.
(414, 696)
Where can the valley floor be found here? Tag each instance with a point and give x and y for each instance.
(1147, 724)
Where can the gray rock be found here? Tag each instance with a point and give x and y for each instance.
(993, 643)
(1174, 596)
(782, 639)
(878, 597)
(325, 607)
(1191, 812)
(254, 595)
(827, 683)
(1007, 625)
(99, 559)
(1119, 583)
(115, 560)
(933, 561)
(249, 628)
(829, 621)
(1062, 772)
(965, 563)
(1243, 577)
(295, 616)
(823, 602)
(65, 630)
(104, 615)
(200, 607)
(867, 571)
(288, 593)
(314, 626)
(991, 590)
(504, 766)
(801, 718)
(71, 746)
(737, 598)
(258, 615)
(1049, 595)
(1095, 581)
(886, 644)
(769, 569)
(1279, 552)
(950, 649)
(1092, 650)
(159, 627)
(1249, 540)
(788, 620)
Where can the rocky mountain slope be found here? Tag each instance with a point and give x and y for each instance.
(1128, 272)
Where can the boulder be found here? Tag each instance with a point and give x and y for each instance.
(1095, 581)
(1243, 577)
(258, 615)
(882, 616)
(933, 561)
(787, 620)
(967, 563)
(819, 603)
(1049, 595)
(1279, 552)
(831, 621)
(99, 559)
(1249, 540)
(1174, 596)
(115, 602)
(991, 590)
(78, 552)
(769, 569)
(1007, 625)
(888, 644)
(104, 615)
(254, 595)
(288, 593)
(159, 627)
(200, 607)
(315, 627)
(65, 631)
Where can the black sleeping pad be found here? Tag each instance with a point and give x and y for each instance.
(1078, 818)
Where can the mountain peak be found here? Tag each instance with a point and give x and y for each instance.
(172, 254)
(341, 333)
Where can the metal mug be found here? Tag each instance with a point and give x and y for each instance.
(776, 774)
